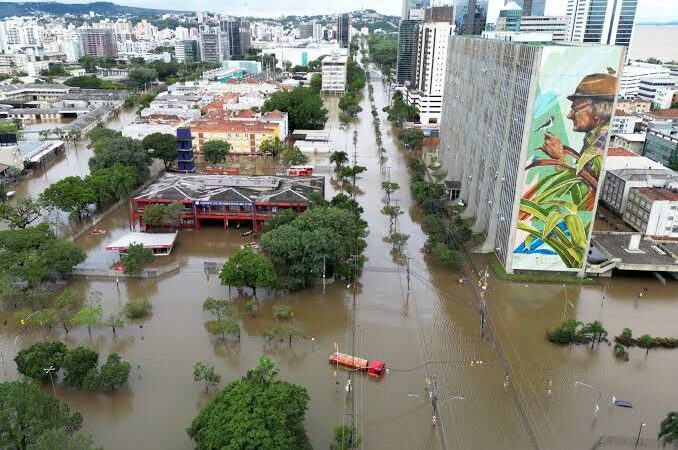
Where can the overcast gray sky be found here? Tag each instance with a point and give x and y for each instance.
(648, 10)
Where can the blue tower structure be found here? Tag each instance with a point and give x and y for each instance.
(185, 156)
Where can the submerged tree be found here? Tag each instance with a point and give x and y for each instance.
(206, 373)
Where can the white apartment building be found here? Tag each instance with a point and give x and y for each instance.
(631, 75)
(556, 25)
(623, 122)
(519, 36)
(601, 21)
(653, 211)
(665, 97)
(334, 74)
(648, 86)
(428, 85)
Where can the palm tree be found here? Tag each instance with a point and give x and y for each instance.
(668, 430)
(339, 158)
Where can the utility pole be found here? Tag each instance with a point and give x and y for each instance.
(49, 371)
(324, 266)
(407, 260)
(482, 283)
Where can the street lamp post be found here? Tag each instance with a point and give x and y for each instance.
(597, 408)
(640, 430)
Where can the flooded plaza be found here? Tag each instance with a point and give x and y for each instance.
(519, 390)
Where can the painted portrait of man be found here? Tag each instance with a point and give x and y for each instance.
(564, 161)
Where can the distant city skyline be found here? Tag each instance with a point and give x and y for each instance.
(648, 10)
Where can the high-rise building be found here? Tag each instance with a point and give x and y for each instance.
(72, 48)
(531, 7)
(344, 30)
(523, 131)
(98, 42)
(602, 21)
(238, 31)
(407, 41)
(428, 83)
(306, 30)
(317, 32)
(214, 46)
(470, 16)
(509, 17)
(187, 51)
(556, 25)
(409, 5)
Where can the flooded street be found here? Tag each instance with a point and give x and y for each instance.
(73, 161)
(438, 323)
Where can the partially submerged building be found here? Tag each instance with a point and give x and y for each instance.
(229, 199)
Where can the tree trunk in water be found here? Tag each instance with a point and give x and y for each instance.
(65, 327)
(89, 329)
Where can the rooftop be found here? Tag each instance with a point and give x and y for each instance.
(664, 113)
(659, 194)
(642, 174)
(149, 240)
(218, 123)
(34, 151)
(620, 113)
(646, 258)
(631, 137)
(225, 189)
(619, 151)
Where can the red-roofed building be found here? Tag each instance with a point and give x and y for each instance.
(619, 151)
(245, 136)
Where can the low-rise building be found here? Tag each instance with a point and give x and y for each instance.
(634, 106)
(334, 74)
(632, 74)
(665, 98)
(648, 86)
(653, 211)
(660, 118)
(661, 145)
(84, 98)
(633, 141)
(623, 122)
(519, 36)
(245, 136)
(556, 25)
(227, 199)
(619, 182)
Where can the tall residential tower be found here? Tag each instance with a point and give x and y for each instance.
(525, 131)
(602, 21)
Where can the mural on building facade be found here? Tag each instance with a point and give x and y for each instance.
(574, 102)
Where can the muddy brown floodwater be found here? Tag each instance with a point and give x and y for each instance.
(438, 322)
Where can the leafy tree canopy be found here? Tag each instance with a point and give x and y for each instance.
(163, 147)
(136, 258)
(304, 106)
(215, 151)
(122, 151)
(248, 269)
(33, 361)
(27, 415)
(257, 411)
(71, 194)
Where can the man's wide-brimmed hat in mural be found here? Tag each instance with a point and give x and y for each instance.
(601, 86)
